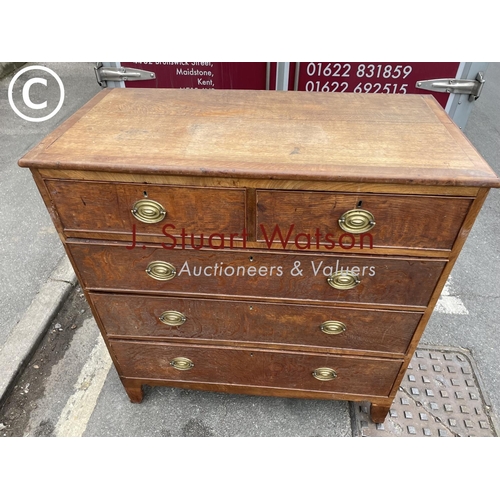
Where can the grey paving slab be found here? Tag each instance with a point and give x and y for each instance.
(475, 279)
(25, 336)
(29, 246)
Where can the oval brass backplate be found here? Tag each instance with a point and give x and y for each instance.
(161, 271)
(172, 318)
(343, 280)
(357, 221)
(148, 211)
(182, 363)
(324, 373)
(333, 327)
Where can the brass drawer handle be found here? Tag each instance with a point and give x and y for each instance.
(343, 280)
(148, 211)
(172, 318)
(357, 221)
(182, 363)
(333, 327)
(324, 373)
(161, 271)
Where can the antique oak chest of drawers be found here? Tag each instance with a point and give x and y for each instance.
(268, 243)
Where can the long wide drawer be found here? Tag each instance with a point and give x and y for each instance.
(109, 208)
(403, 222)
(149, 317)
(257, 368)
(284, 275)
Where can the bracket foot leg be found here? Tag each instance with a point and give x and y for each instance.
(134, 390)
(378, 412)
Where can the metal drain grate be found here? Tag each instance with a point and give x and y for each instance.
(439, 396)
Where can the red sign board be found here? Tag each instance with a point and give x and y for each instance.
(373, 77)
(203, 75)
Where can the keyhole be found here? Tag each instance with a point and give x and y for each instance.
(360, 202)
(145, 194)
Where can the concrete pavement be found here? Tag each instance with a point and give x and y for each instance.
(30, 248)
(34, 273)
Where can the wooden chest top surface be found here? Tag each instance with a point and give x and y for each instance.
(406, 139)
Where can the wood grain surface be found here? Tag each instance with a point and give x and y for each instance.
(257, 368)
(382, 281)
(424, 222)
(257, 322)
(396, 138)
(100, 206)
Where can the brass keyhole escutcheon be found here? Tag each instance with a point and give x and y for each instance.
(161, 271)
(333, 327)
(172, 318)
(148, 211)
(182, 363)
(357, 221)
(324, 374)
(343, 280)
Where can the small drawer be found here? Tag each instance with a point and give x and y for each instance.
(318, 220)
(278, 275)
(256, 368)
(141, 316)
(109, 208)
